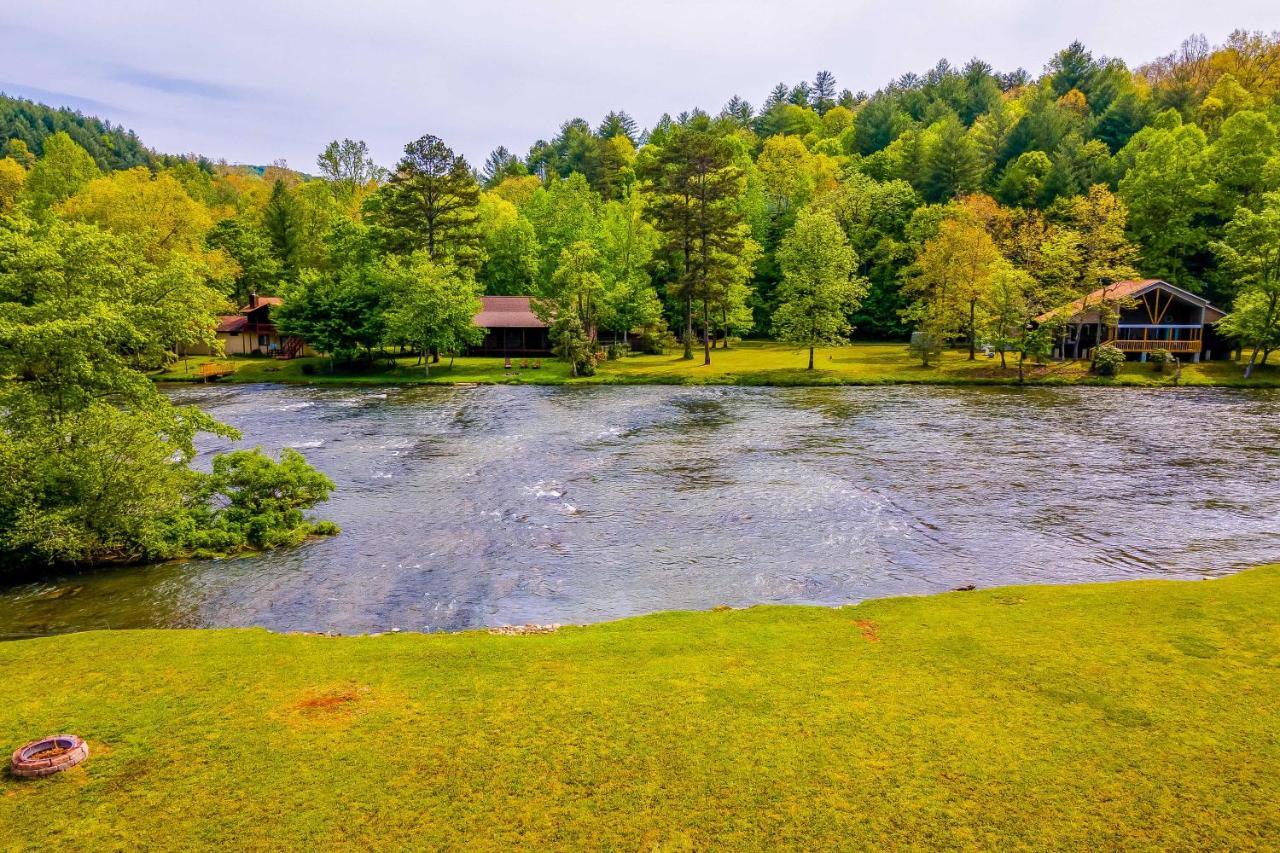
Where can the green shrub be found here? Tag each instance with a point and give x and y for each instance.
(618, 350)
(1107, 360)
(653, 343)
(325, 528)
(308, 368)
(1161, 360)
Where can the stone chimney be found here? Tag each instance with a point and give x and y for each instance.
(253, 299)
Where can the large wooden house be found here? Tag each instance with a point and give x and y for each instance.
(1140, 317)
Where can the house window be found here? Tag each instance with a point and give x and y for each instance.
(262, 340)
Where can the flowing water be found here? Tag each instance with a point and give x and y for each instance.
(464, 507)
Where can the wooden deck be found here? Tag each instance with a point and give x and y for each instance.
(216, 370)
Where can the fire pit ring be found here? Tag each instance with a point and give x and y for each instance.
(48, 755)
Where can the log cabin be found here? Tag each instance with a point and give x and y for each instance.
(511, 328)
(1140, 317)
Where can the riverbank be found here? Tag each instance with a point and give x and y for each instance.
(1139, 714)
(753, 363)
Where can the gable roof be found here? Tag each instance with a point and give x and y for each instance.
(507, 312)
(262, 301)
(1130, 290)
(232, 323)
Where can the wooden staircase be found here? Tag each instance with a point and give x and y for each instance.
(291, 348)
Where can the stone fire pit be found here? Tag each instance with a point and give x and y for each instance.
(48, 755)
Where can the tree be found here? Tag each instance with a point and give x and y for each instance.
(430, 306)
(819, 289)
(429, 203)
(281, 222)
(576, 287)
(1167, 191)
(953, 165)
(696, 207)
(953, 273)
(510, 245)
(562, 213)
(262, 500)
(618, 123)
(257, 269)
(500, 165)
(1250, 249)
(152, 209)
(627, 247)
(1097, 222)
(348, 167)
(12, 178)
(60, 172)
(823, 93)
(569, 341)
(739, 111)
(338, 311)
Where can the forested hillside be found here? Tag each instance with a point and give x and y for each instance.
(29, 123)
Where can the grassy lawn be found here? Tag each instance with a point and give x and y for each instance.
(749, 363)
(1136, 715)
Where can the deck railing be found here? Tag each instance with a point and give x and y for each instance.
(1152, 346)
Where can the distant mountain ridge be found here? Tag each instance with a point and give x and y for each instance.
(111, 146)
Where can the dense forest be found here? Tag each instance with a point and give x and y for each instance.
(962, 203)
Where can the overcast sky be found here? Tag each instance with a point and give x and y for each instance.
(257, 81)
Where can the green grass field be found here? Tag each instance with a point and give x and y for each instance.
(1136, 715)
(748, 363)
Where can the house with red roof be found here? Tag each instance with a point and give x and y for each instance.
(1140, 317)
(511, 328)
(251, 331)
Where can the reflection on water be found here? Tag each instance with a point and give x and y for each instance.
(465, 507)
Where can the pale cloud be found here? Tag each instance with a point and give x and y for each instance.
(256, 81)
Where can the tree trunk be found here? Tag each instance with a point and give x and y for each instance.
(973, 331)
(1003, 366)
(1022, 373)
(706, 335)
(1248, 369)
(688, 327)
(811, 358)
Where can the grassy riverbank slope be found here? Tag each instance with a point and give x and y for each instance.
(1114, 715)
(748, 363)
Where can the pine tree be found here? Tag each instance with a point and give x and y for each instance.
(430, 203)
(697, 209)
(281, 222)
(823, 94)
(738, 110)
(618, 123)
(954, 165)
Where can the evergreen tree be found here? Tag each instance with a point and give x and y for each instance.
(697, 193)
(823, 94)
(953, 165)
(281, 223)
(430, 203)
(618, 123)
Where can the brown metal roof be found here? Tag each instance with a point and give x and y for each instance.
(232, 323)
(507, 312)
(1128, 290)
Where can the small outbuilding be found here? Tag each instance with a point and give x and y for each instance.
(511, 328)
(1140, 317)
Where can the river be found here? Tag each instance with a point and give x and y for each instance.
(474, 506)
